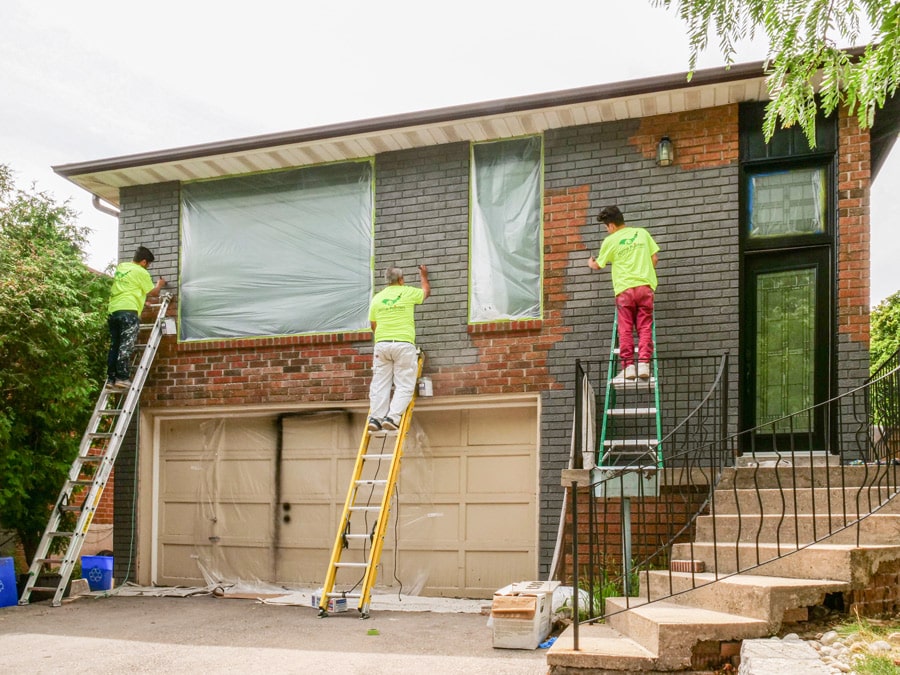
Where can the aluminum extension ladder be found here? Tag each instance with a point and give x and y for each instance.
(90, 471)
(368, 494)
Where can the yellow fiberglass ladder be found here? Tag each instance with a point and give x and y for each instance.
(359, 540)
(89, 473)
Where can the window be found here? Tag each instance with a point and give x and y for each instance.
(278, 253)
(787, 202)
(505, 230)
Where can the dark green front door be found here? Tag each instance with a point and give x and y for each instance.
(785, 344)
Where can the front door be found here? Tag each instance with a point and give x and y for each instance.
(786, 345)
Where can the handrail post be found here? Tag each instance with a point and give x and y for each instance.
(577, 460)
(575, 565)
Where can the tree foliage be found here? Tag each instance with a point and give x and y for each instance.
(52, 353)
(807, 41)
(885, 337)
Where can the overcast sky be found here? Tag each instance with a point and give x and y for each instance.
(95, 79)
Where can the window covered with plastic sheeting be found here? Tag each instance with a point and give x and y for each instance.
(277, 253)
(505, 238)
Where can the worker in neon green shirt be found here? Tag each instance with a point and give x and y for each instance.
(395, 358)
(633, 255)
(131, 286)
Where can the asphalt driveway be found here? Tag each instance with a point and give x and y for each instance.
(203, 634)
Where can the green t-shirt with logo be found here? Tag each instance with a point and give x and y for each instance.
(130, 287)
(630, 252)
(392, 310)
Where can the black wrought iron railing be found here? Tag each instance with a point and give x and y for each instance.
(723, 503)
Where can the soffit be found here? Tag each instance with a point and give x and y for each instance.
(488, 121)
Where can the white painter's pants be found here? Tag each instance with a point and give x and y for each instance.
(394, 363)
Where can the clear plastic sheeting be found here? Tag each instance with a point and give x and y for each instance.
(278, 253)
(250, 505)
(505, 254)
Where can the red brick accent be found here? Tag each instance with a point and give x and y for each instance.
(513, 355)
(882, 594)
(701, 138)
(854, 181)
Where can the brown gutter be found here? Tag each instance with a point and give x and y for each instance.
(710, 76)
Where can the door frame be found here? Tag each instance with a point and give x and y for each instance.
(767, 261)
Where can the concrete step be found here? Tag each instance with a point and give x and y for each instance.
(805, 500)
(786, 476)
(671, 630)
(760, 597)
(839, 562)
(874, 529)
(600, 649)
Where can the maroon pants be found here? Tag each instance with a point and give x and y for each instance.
(635, 306)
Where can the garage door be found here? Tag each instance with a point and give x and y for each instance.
(259, 498)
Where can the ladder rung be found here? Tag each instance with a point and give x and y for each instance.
(91, 458)
(61, 534)
(357, 536)
(350, 564)
(365, 508)
(71, 507)
(620, 412)
(636, 383)
(101, 434)
(378, 456)
(343, 595)
(112, 411)
(367, 481)
(631, 442)
(51, 561)
(80, 483)
(45, 589)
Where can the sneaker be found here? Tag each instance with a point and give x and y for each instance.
(374, 424)
(123, 384)
(628, 373)
(644, 370)
(389, 425)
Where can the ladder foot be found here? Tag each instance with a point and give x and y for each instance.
(322, 614)
(363, 615)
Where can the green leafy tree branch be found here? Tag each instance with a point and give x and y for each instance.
(807, 56)
(52, 353)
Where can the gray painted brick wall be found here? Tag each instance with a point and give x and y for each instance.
(422, 218)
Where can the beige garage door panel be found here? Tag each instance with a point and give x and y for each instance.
(466, 521)
(446, 425)
(435, 475)
(502, 426)
(495, 569)
(509, 474)
(428, 524)
(500, 525)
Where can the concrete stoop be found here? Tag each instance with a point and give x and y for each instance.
(695, 621)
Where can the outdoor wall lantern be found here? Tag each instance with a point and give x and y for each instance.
(665, 152)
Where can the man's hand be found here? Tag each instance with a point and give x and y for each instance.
(426, 286)
(593, 263)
